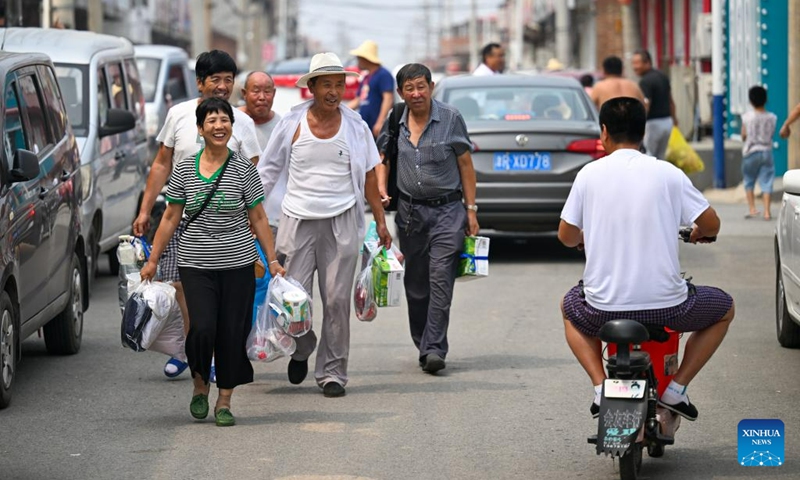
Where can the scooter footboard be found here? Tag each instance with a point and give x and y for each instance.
(621, 418)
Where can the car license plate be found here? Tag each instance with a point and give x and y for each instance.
(507, 161)
(624, 388)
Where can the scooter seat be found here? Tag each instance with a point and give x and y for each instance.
(624, 332)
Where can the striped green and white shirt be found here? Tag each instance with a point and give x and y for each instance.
(220, 238)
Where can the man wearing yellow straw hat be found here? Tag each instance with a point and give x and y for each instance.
(375, 95)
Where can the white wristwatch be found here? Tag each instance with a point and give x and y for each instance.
(474, 208)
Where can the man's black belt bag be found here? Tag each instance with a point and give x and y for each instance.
(431, 202)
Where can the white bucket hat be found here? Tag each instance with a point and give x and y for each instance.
(324, 64)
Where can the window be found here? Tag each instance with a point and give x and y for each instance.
(116, 85)
(148, 72)
(102, 97)
(55, 110)
(519, 103)
(13, 135)
(71, 79)
(136, 96)
(176, 84)
(36, 125)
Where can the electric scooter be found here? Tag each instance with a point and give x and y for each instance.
(642, 361)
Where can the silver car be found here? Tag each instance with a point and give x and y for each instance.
(531, 135)
(787, 261)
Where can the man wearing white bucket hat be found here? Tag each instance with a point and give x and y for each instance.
(375, 95)
(325, 155)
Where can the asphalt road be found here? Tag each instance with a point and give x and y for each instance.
(512, 402)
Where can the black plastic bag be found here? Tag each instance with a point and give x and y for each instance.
(135, 317)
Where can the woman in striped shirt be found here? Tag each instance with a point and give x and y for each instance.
(216, 256)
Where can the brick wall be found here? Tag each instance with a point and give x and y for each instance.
(609, 30)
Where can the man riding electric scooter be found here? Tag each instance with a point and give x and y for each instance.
(626, 209)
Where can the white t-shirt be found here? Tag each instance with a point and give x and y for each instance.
(264, 130)
(483, 70)
(760, 128)
(273, 204)
(180, 133)
(630, 207)
(320, 178)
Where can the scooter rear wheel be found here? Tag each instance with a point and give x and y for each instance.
(630, 463)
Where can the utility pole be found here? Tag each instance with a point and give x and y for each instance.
(201, 25)
(630, 42)
(283, 33)
(426, 11)
(473, 35)
(517, 43)
(46, 13)
(718, 92)
(245, 28)
(562, 33)
(95, 16)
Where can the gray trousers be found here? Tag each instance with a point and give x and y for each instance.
(656, 136)
(431, 238)
(330, 248)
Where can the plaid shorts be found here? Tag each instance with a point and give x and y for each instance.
(168, 263)
(701, 310)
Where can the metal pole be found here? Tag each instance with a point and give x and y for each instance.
(199, 35)
(283, 17)
(519, 27)
(473, 35)
(718, 92)
(562, 33)
(46, 13)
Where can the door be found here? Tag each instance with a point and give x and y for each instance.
(65, 164)
(28, 227)
(789, 229)
(41, 142)
(115, 178)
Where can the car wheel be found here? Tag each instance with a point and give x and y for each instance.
(788, 331)
(8, 349)
(62, 335)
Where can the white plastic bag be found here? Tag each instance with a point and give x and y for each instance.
(164, 332)
(289, 306)
(171, 340)
(268, 342)
(132, 253)
(363, 292)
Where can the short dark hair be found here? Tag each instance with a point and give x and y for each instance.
(487, 50)
(757, 96)
(644, 54)
(624, 119)
(612, 65)
(412, 71)
(213, 62)
(587, 80)
(213, 105)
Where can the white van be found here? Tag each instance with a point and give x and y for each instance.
(105, 104)
(166, 81)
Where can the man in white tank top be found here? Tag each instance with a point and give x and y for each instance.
(326, 155)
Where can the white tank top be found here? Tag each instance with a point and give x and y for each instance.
(320, 182)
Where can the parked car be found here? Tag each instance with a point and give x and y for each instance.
(787, 263)
(105, 102)
(531, 135)
(42, 251)
(285, 74)
(166, 81)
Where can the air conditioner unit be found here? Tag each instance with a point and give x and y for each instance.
(705, 98)
(703, 38)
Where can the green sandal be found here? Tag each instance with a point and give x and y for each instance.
(224, 418)
(199, 406)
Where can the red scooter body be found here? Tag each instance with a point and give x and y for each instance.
(663, 356)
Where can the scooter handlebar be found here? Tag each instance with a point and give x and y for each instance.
(685, 234)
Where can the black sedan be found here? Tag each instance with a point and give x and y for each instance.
(531, 136)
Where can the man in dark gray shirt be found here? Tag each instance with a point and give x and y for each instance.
(436, 189)
(658, 99)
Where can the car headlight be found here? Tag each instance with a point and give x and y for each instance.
(86, 181)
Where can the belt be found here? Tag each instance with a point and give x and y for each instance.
(431, 202)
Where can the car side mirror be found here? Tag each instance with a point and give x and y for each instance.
(117, 121)
(26, 166)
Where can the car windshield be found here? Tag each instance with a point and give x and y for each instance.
(73, 90)
(294, 66)
(518, 103)
(148, 71)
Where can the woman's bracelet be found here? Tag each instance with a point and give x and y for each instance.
(274, 261)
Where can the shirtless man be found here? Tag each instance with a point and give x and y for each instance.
(614, 85)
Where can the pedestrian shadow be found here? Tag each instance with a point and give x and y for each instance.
(536, 249)
(315, 421)
(504, 362)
